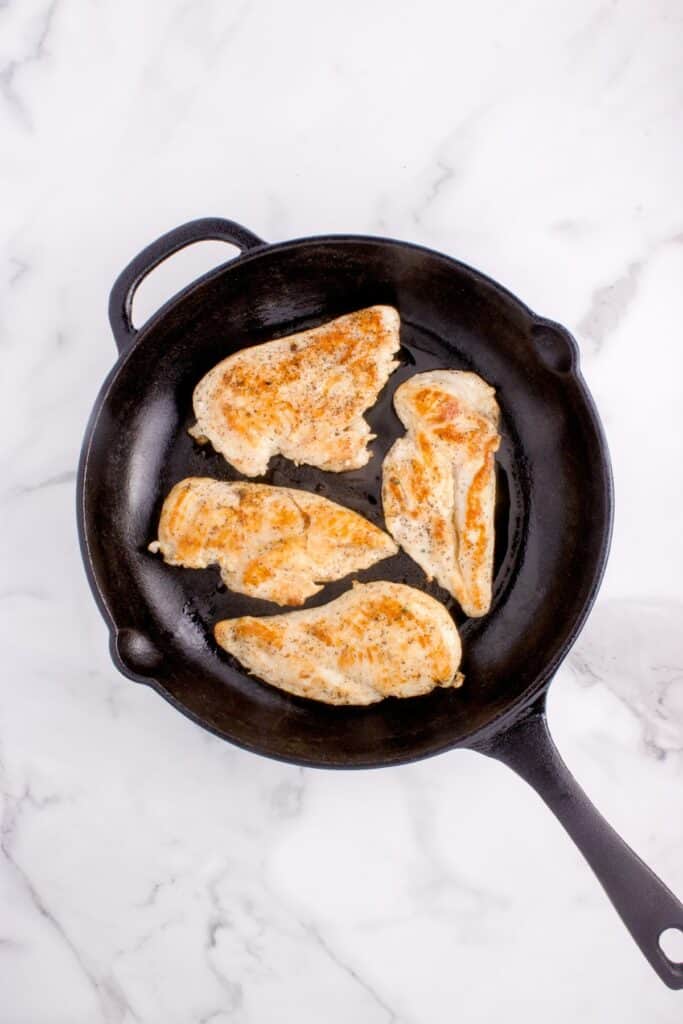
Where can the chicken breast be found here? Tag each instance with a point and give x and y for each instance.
(275, 543)
(302, 396)
(377, 640)
(439, 485)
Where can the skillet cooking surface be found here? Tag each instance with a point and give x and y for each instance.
(208, 599)
(552, 516)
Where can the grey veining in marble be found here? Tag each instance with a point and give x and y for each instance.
(148, 872)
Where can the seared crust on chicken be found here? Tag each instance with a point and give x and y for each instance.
(302, 396)
(377, 640)
(439, 485)
(275, 543)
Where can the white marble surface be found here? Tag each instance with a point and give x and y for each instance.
(150, 873)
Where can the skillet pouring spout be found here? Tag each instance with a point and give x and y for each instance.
(646, 906)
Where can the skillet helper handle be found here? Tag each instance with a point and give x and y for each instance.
(203, 230)
(646, 906)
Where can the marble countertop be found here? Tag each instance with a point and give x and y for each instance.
(149, 872)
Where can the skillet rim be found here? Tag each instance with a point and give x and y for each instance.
(518, 706)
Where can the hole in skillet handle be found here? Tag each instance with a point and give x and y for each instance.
(173, 274)
(671, 945)
(205, 229)
(556, 347)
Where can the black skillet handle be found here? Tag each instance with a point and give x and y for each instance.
(204, 230)
(643, 902)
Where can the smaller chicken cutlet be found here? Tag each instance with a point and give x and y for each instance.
(377, 640)
(275, 543)
(302, 396)
(439, 483)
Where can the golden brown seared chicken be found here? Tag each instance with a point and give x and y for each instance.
(439, 485)
(302, 396)
(377, 640)
(275, 543)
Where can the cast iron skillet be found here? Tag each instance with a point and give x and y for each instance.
(554, 516)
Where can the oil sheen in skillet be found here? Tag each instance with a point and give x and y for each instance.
(207, 600)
